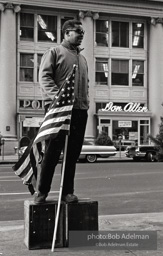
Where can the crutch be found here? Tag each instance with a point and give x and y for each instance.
(60, 194)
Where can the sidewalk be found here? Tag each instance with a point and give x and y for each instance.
(7, 159)
(12, 236)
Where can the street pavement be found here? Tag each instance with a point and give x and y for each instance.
(12, 233)
(120, 156)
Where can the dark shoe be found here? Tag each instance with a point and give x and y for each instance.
(70, 198)
(40, 198)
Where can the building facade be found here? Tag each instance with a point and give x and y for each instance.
(124, 50)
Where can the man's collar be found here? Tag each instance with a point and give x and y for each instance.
(69, 46)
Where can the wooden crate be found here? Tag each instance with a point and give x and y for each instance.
(40, 220)
(39, 225)
(82, 216)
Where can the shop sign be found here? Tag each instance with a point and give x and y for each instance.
(31, 104)
(133, 135)
(129, 107)
(32, 121)
(124, 124)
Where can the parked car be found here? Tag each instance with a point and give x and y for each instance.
(90, 152)
(144, 152)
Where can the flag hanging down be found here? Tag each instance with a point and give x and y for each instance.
(57, 119)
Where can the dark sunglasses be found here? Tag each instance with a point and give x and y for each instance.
(78, 30)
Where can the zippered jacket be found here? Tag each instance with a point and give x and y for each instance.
(56, 65)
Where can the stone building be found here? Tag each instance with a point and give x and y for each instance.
(124, 49)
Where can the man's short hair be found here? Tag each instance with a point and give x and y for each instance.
(70, 24)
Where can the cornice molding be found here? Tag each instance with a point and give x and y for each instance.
(157, 20)
(14, 7)
(131, 8)
(84, 14)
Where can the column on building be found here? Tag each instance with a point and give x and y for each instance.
(156, 72)
(8, 69)
(87, 19)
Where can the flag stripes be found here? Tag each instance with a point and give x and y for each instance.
(56, 120)
(23, 163)
(23, 167)
(52, 131)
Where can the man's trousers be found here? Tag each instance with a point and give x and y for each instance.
(53, 149)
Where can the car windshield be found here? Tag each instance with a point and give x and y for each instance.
(88, 143)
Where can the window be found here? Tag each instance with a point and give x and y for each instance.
(26, 67)
(120, 72)
(105, 121)
(41, 28)
(39, 56)
(47, 28)
(26, 27)
(29, 132)
(137, 73)
(102, 71)
(127, 133)
(144, 131)
(120, 34)
(102, 32)
(144, 122)
(138, 35)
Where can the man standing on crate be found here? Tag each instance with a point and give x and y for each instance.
(56, 64)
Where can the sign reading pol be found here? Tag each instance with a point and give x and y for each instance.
(31, 104)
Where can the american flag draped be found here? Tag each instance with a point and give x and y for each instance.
(57, 119)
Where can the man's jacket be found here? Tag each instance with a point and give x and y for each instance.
(56, 65)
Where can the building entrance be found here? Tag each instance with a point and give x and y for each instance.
(105, 126)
